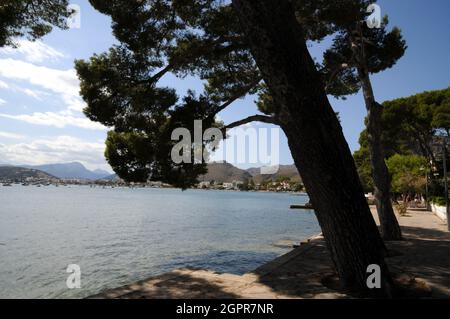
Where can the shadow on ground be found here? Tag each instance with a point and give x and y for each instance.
(425, 254)
(221, 261)
(180, 284)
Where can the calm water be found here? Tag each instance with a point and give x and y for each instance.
(121, 235)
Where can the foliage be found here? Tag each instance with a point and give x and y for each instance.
(195, 38)
(402, 208)
(203, 39)
(436, 187)
(364, 166)
(344, 21)
(408, 173)
(410, 123)
(245, 186)
(30, 18)
(144, 152)
(438, 200)
(409, 126)
(381, 48)
(297, 187)
(281, 179)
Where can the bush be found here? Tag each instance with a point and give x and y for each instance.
(438, 200)
(402, 208)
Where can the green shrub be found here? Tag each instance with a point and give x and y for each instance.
(438, 200)
(401, 208)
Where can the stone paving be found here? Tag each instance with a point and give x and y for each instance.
(423, 258)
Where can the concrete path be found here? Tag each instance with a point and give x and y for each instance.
(421, 260)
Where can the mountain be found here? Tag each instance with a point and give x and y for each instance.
(21, 173)
(111, 177)
(73, 170)
(222, 172)
(225, 172)
(283, 171)
(101, 172)
(254, 171)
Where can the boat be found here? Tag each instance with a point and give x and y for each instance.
(7, 184)
(304, 206)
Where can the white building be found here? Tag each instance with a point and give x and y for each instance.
(205, 184)
(228, 185)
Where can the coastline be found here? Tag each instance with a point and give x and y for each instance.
(419, 264)
(131, 290)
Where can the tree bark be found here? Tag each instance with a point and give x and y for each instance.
(317, 143)
(390, 229)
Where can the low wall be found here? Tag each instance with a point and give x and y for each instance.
(440, 211)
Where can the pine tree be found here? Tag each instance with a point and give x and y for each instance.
(242, 48)
(356, 52)
(30, 18)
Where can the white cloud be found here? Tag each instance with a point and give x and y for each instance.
(2, 101)
(20, 67)
(11, 135)
(74, 103)
(32, 93)
(3, 85)
(64, 83)
(57, 81)
(55, 150)
(33, 51)
(36, 94)
(60, 120)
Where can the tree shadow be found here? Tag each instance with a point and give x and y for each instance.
(182, 285)
(220, 261)
(421, 269)
(425, 254)
(425, 233)
(190, 280)
(301, 273)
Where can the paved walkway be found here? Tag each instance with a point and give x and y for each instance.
(422, 261)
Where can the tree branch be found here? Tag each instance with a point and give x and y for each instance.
(197, 52)
(236, 96)
(156, 77)
(253, 118)
(335, 73)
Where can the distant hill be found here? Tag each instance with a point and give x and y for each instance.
(254, 171)
(73, 170)
(283, 171)
(101, 172)
(222, 172)
(21, 173)
(225, 172)
(111, 177)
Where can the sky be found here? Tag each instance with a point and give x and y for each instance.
(41, 119)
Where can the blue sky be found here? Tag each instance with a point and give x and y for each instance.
(40, 110)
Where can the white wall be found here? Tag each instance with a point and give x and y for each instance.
(440, 211)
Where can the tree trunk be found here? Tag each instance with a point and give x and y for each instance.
(390, 229)
(315, 138)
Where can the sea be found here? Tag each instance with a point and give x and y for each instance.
(116, 236)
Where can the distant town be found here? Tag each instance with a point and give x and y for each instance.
(220, 176)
